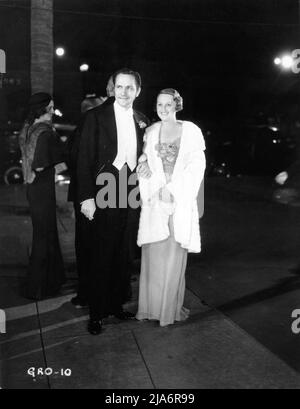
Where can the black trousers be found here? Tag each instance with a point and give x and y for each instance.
(113, 230)
(83, 242)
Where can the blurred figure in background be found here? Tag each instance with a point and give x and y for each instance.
(42, 157)
(110, 88)
(289, 180)
(90, 101)
(110, 92)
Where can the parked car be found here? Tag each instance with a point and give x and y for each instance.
(262, 149)
(10, 156)
(245, 149)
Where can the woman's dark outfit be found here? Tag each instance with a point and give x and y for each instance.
(41, 148)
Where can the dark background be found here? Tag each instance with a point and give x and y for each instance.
(218, 53)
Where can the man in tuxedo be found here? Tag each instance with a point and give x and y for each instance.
(82, 224)
(110, 144)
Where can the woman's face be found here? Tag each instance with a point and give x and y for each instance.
(50, 110)
(165, 107)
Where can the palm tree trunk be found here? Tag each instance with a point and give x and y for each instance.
(42, 46)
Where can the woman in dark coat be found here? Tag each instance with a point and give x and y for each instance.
(42, 156)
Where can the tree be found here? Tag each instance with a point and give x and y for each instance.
(42, 46)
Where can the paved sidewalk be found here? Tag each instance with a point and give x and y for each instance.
(207, 351)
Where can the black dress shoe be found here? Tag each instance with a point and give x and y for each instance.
(95, 327)
(124, 315)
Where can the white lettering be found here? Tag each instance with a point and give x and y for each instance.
(106, 197)
(296, 323)
(126, 399)
(2, 322)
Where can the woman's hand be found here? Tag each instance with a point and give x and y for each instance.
(143, 169)
(165, 195)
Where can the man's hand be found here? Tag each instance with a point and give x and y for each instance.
(281, 178)
(88, 208)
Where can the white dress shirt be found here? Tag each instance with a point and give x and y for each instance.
(126, 138)
(127, 147)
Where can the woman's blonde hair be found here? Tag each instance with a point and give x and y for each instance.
(175, 94)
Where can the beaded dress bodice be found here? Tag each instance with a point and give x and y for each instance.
(168, 152)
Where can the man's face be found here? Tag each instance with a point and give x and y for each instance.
(126, 90)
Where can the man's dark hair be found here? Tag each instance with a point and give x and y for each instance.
(127, 71)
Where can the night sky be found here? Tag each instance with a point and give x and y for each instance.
(217, 53)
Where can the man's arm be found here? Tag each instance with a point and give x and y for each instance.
(86, 158)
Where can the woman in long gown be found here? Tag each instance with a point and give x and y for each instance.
(42, 156)
(169, 221)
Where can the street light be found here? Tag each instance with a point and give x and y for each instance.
(57, 112)
(287, 61)
(84, 67)
(277, 61)
(60, 51)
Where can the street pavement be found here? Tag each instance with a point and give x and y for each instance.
(242, 290)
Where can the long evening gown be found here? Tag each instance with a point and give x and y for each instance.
(163, 265)
(46, 268)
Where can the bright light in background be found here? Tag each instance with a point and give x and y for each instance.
(84, 67)
(287, 61)
(60, 51)
(277, 61)
(57, 112)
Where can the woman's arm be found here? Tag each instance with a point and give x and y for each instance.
(143, 169)
(48, 151)
(150, 183)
